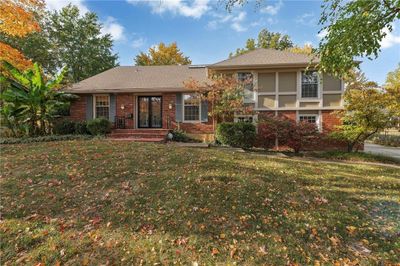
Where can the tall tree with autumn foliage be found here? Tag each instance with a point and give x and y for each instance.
(17, 19)
(162, 54)
(368, 110)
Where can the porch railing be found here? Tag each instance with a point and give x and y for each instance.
(120, 122)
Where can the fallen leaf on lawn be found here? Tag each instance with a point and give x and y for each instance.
(351, 229)
(214, 251)
(335, 241)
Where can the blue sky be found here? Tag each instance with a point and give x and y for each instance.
(207, 33)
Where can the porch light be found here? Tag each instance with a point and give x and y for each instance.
(170, 106)
(122, 107)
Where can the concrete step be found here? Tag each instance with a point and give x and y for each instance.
(136, 135)
(150, 131)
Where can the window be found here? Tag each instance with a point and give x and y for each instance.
(191, 107)
(308, 118)
(244, 118)
(102, 106)
(309, 84)
(247, 79)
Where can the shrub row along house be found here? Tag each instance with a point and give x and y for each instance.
(153, 99)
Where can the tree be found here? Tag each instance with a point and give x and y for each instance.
(392, 86)
(354, 29)
(366, 111)
(162, 55)
(224, 93)
(351, 28)
(37, 46)
(31, 101)
(78, 43)
(273, 129)
(307, 49)
(17, 20)
(266, 39)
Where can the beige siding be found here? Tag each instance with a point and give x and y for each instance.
(287, 81)
(309, 104)
(266, 101)
(266, 82)
(309, 112)
(331, 83)
(332, 100)
(287, 101)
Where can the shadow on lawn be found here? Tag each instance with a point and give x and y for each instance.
(259, 209)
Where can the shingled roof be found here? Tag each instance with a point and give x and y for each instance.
(140, 79)
(265, 58)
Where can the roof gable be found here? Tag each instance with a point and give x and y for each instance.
(266, 57)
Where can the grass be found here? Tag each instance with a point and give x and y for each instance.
(97, 202)
(354, 156)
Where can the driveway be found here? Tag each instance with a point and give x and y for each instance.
(383, 150)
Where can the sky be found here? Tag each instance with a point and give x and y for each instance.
(207, 33)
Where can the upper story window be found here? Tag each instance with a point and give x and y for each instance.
(309, 84)
(191, 107)
(101, 106)
(246, 78)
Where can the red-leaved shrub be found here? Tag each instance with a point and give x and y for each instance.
(302, 134)
(272, 128)
(287, 132)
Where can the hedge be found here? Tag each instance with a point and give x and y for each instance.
(240, 134)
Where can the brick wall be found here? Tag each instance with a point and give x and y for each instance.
(78, 109)
(329, 121)
(128, 101)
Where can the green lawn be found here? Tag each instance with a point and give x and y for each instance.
(97, 202)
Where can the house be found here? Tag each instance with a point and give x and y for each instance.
(155, 98)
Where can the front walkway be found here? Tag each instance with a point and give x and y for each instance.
(382, 150)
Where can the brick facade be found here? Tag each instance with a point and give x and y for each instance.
(126, 100)
(78, 109)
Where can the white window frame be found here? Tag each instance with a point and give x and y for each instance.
(183, 109)
(319, 86)
(237, 116)
(94, 104)
(317, 119)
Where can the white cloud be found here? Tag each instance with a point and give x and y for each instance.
(137, 43)
(112, 27)
(194, 9)
(235, 21)
(307, 19)
(59, 4)
(272, 9)
(390, 39)
(322, 34)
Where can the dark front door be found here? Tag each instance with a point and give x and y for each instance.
(150, 111)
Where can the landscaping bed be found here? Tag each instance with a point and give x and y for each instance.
(100, 201)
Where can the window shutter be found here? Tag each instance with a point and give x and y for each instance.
(178, 108)
(113, 108)
(204, 111)
(89, 107)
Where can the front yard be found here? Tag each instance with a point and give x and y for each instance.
(104, 202)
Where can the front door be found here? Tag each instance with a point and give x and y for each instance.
(150, 112)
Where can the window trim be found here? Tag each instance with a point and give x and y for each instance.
(94, 104)
(317, 120)
(183, 109)
(319, 86)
